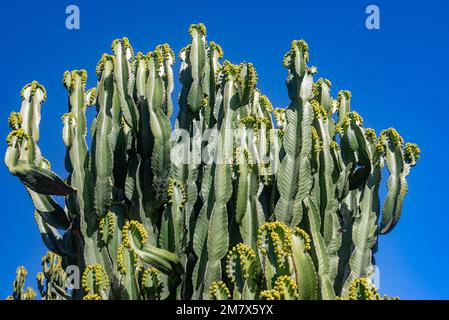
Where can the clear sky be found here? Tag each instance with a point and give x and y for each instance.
(398, 76)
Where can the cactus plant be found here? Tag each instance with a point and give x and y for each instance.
(240, 201)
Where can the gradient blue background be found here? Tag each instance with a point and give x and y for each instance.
(398, 76)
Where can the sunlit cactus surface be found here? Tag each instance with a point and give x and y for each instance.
(229, 199)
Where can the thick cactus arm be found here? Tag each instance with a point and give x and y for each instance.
(33, 94)
(173, 225)
(50, 211)
(397, 183)
(151, 284)
(243, 269)
(305, 274)
(77, 161)
(160, 125)
(364, 229)
(24, 160)
(343, 104)
(124, 80)
(294, 177)
(247, 188)
(136, 238)
(319, 248)
(41, 180)
(197, 59)
(52, 281)
(274, 247)
(51, 236)
(328, 204)
(218, 237)
(95, 282)
(18, 287)
(102, 153)
(168, 58)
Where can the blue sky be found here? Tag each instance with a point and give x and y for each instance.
(398, 76)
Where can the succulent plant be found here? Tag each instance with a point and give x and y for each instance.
(238, 200)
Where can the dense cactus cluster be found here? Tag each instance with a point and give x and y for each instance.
(237, 201)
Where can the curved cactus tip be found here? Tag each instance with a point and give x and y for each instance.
(106, 227)
(21, 271)
(412, 153)
(300, 44)
(323, 81)
(279, 235)
(353, 115)
(317, 87)
(304, 237)
(18, 135)
(156, 57)
(219, 291)
(200, 27)
(348, 118)
(255, 122)
(166, 53)
(241, 259)
(51, 262)
(312, 70)
(95, 279)
(70, 78)
(370, 135)
(101, 63)
(15, 120)
(68, 118)
(91, 96)
(140, 56)
(344, 94)
(251, 76)
(362, 289)
(172, 185)
(124, 42)
(151, 283)
(40, 276)
(287, 287)
(29, 90)
(133, 231)
(121, 259)
(216, 47)
(184, 52)
(392, 136)
(317, 143)
(334, 145)
(296, 45)
(230, 71)
(242, 156)
(30, 294)
(318, 110)
(265, 102)
(149, 273)
(279, 114)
